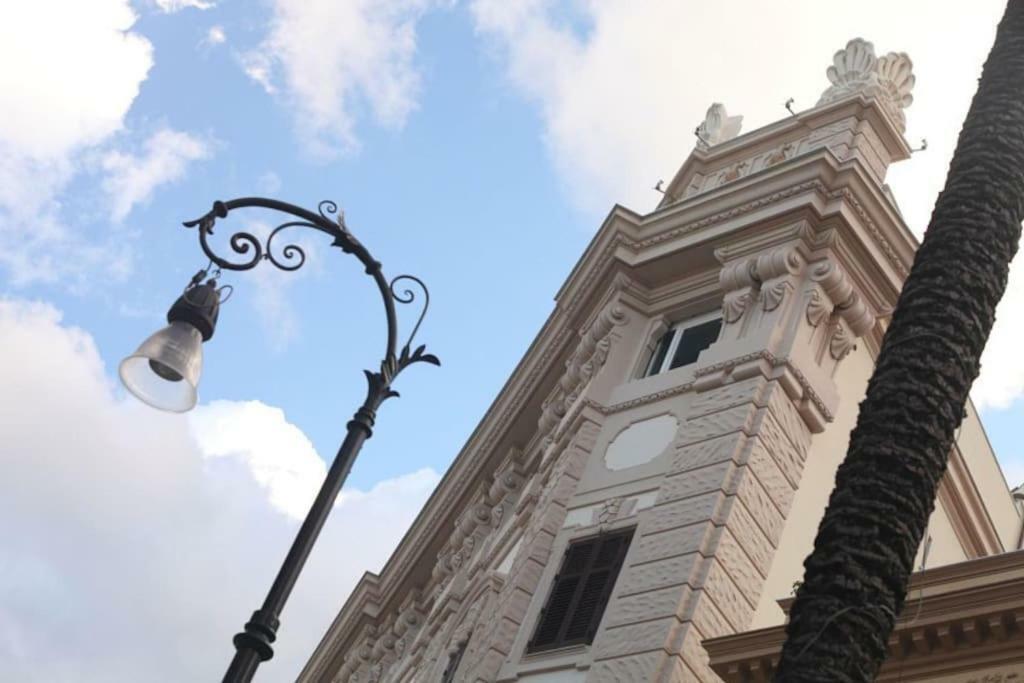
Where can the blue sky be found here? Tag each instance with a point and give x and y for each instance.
(477, 145)
(433, 198)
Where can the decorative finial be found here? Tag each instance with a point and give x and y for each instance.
(855, 69)
(718, 127)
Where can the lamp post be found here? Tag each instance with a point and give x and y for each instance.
(164, 373)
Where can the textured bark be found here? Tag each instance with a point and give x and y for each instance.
(856, 577)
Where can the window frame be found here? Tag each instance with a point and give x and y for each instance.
(677, 329)
(614, 569)
(454, 661)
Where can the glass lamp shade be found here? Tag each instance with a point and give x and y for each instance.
(164, 371)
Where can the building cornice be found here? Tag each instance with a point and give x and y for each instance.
(790, 130)
(957, 618)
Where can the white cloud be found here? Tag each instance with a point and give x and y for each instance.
(131, 178)
(620, 87)
(135, 539)
(171, 6)
(67, 86)
(328, 57)
(258, 66)
(215, 36)
(259, 435)
(75, 78)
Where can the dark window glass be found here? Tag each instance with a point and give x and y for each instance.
(654, 367)
(453, 663)
(580, 592)
(695, 339)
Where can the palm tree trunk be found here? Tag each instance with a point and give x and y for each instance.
(856, 577)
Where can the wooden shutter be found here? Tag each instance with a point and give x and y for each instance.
(580, 592)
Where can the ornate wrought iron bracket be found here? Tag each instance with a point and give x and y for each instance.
(290, 257)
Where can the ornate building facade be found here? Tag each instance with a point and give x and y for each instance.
(637, 502)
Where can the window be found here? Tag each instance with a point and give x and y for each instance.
(682, 344)
(580, 592)
(453, 663)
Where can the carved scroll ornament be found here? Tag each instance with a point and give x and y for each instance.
(765, 277)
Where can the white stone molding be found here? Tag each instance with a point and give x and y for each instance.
(640, 400)
(384, 648)
(717, 127)
(856, 70)
(734, 172)
(847, 195)
(479, 519)
(779, 154)
(610, 511)
(358, 658)
(582, 366)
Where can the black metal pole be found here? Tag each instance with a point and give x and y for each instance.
(253, 645)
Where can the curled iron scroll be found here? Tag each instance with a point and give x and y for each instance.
(292, 255)
(328, 208)
(241, 243)
(407, 296)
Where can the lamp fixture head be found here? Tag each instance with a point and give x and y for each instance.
(164, 371)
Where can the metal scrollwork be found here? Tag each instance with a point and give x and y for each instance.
(292, 254)
(330, 220)
(407, 296)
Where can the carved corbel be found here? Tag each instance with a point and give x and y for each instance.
(784, 260)
(848, 303)
(582, 366)
(773, 294)
(852, 316)
(767, 276)
(739, 281)
(733, 306)
(407, 624)
(358, 657)
(818, 309)
(774, 271)
(841, 341)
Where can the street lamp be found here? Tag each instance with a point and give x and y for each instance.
(164, 373)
